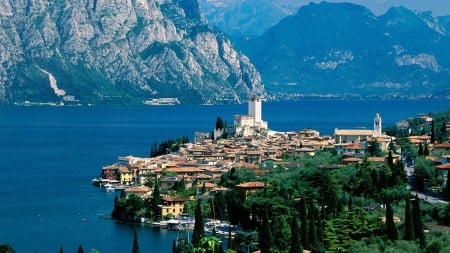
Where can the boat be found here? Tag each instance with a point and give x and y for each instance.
(109, 188)
(96, 181)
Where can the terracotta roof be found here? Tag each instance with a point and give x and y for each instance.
(251, 185)
(181, 169)
(207, 185)
(353, 146)
(445, 166)
(124, 169)
(375, 159)
(351, 159)
(442, 145)
(174, 199)
(142, 188)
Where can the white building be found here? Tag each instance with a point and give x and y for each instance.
(251, 124)
(344, 137)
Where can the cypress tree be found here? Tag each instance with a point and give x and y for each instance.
(426, 150)
(375, 179)
(382, 184)
(199, 226)
(296, 246)
(432, 135)
(312, 233)
(418, 226)
(420, 151)
(443, 133)
(135, 241)
(312, 226)
(350, 202)
(265, 235)
(409, 225)
(61, 250)
(447, 189)
(156, 200)
(80, 249)
(391, 230)
(304, 224)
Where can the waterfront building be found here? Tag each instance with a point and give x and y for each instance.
(125, 175)
(173, 206)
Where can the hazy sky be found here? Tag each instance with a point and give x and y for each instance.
(438, 7)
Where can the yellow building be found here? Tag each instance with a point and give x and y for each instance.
(125, 175)
(172, 206)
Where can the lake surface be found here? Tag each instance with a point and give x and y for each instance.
(50, 154)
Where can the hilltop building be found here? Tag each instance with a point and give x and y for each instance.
(252, 123)
(355, 140)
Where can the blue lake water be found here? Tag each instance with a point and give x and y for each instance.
(50, 154)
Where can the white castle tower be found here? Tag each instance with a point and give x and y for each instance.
(252, 123)
(254, 109)
(377, 125)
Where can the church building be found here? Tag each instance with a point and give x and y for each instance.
(355, 140)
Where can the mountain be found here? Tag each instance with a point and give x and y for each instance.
(117, 52)
(247, 17)
(343, 48)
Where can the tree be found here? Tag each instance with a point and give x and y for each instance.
(426, 149)
(391, 230)
(265, 234)
(296, 246)
(432, 134)
(208, 244)
(409, 225)
(61, 250)
(447, 187)
(199, 226)
(156, 200)
(418, 226)
(135, 248)
(374, 148)
(6, 248)
(281, 228)
(423, 170)
(304, 224)
(80, 249)
(443, 132)
(420, 152)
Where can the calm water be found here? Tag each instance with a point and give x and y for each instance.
(50, 154)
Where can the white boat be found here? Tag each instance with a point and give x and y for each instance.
(109, 188)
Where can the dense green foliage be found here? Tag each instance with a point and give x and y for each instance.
(168, 146)
(6, 248)
(199, 226)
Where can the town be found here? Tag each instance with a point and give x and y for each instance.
(250, 144)
(253, 146)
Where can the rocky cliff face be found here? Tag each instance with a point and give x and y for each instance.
(117, 51)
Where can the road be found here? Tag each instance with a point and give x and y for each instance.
(428, 198)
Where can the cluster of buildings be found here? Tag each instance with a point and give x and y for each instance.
(251, 145)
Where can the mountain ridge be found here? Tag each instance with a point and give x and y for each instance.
(118, 52)
(344, 49)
